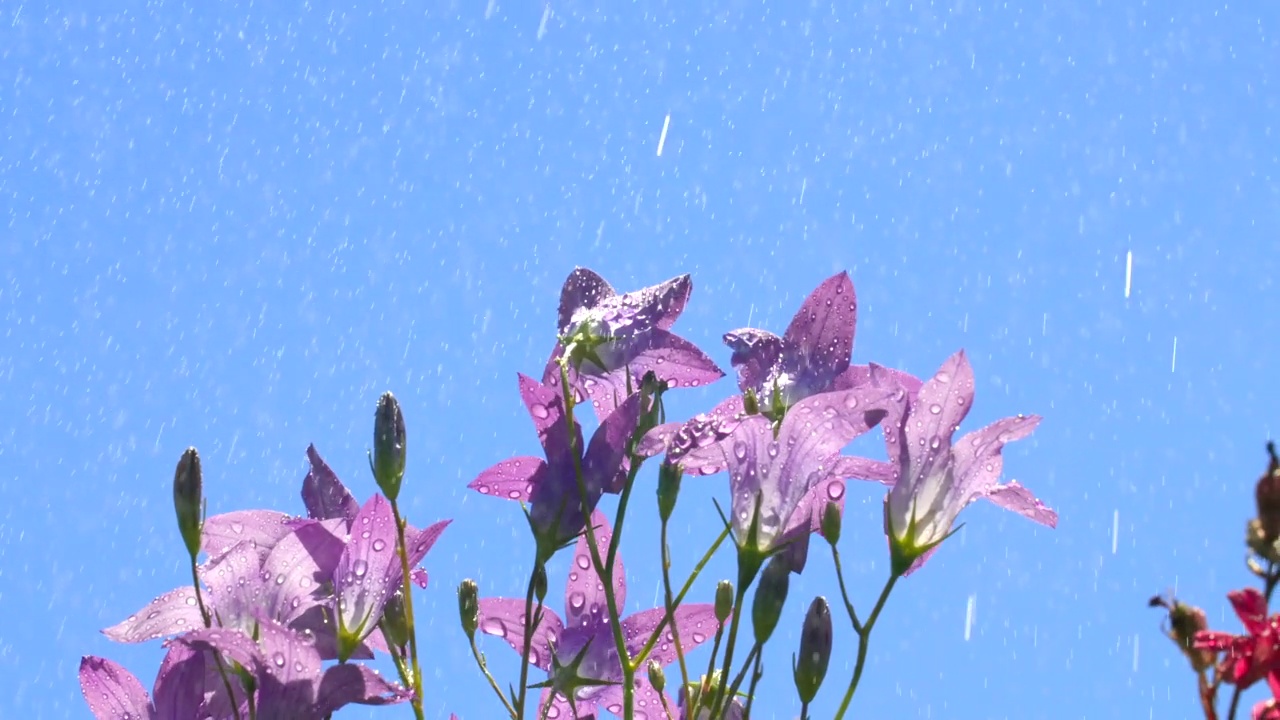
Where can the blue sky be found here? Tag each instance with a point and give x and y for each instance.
(232, 226)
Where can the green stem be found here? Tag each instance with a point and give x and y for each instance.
(530, 624)
(728, 650)
(407, 588)
(597, 562)
(864, 638)
(484, 668)
(217, 656)
(753, 658)
(669, 603)
(844, 594)
(755, 681)
(666, 617)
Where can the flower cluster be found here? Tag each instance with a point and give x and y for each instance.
(278, 596)
(1239, 661)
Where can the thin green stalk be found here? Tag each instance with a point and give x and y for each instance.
(755, 681)
(844, 593)
(728, 650)
(217, 656)
(688, 583)
(597, 562)
(864, 639)
(530, 624)
(753, 658)
(484, 668)
(407, 587)
(670, 605)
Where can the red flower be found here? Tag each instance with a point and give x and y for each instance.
(1249, 658)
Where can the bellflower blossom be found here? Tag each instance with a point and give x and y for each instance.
(585, 629)
(611, 338)
(551, 486)
(936, 477)
(780, 471)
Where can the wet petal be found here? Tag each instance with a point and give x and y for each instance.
(356, 683)
(511, 479)
(172, 613)
(504, 617)
(585, 603)
(297, 568)
(263, 528)
(582, 289)
(365, 568)
(821, 333)
(756, 356)
(696, 624)
(112, 692)
(324, 494)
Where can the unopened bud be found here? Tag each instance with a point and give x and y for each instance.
(1185, 622)
(188, 500)
(810, 666)
(771, 595)
(469, 607)
(395, 622)
(669, 476)
(724, 601)
(831, 522)
(388, 446)
(657, 678)
(1267, 493)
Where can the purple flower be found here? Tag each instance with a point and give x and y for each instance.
(586, 626)
(326, 498)
(611, 338)
(782, 471)
(937, 478)
(551, 486)
(268, 564)
(811, 357)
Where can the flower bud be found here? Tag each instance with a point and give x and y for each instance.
(810, 667)
(669, 476)
(395, 622)
(469, 607)
(1267, 494)
(831, 522)
(188, 500)
(724, 601)
(388, 446)
(657, 678)
(771, 595)
(1185, 621)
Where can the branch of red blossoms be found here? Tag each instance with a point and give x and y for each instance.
(1223, 658)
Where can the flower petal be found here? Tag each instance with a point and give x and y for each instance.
(356, 683)
(324, 494)
(511, 479)
(585, 603)
(170, 614)
(112, 692)
(296, 569)
(263, 528)
(419, 542)
(289, 672)
(756, 354)
(582, 289)
(365, 568)
(608, 446)
(696, 624)
(822, 331)
(504, 617)
(182, 682)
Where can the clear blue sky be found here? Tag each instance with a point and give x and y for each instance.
(232, 225)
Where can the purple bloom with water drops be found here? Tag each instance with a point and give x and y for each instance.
(784, 472)
(368, 570)
(937, 478)
(551, 486)
(811, 357)
(289, 678)
(586, 626)
(327, 498)
(612, 339)
(183, 689)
